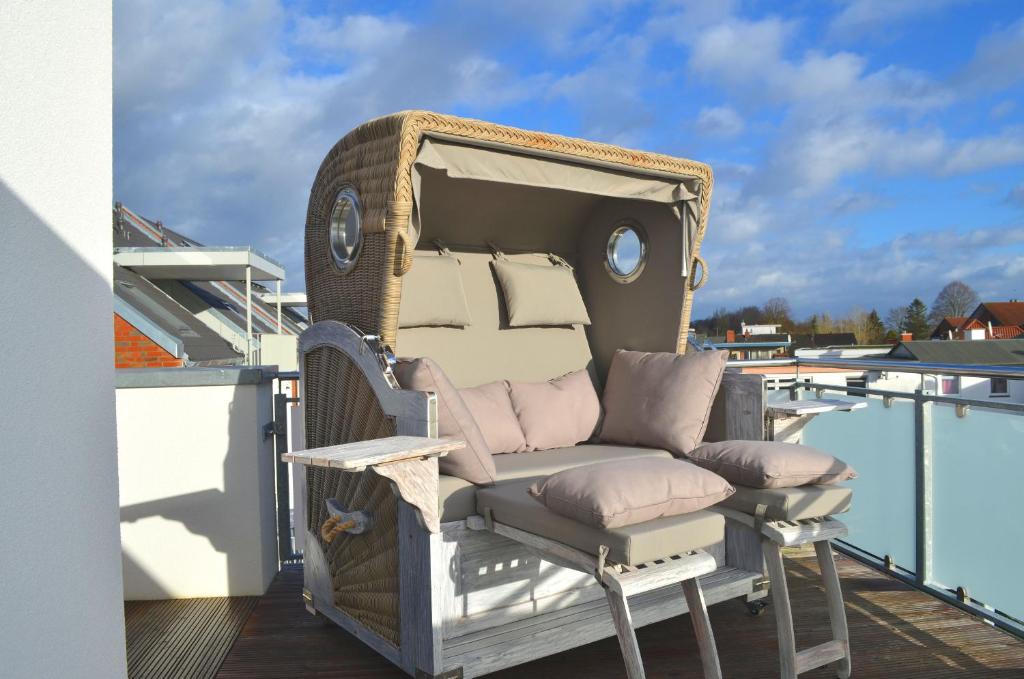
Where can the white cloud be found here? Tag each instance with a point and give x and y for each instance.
(997, 61)
(719, 121)
(868, 18)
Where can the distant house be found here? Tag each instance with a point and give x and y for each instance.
(993, 352)
(824, 340)
(751, 346)
(989, 321)
(180, 303)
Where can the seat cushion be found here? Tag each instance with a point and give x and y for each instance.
(491, 407)
(457, 498)
(540, 294)
(557, 413)
(661, 400)
(627, 492)
(770, 464)
(474, 462)
(803, 502)
(510, 503)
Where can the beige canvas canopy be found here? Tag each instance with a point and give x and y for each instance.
(464, 159)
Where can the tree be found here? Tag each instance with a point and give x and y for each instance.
(896, 319)
(956, 299)
(776, 310)
(875, 329)
(917, 320)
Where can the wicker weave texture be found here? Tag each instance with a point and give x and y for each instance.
(341, 407)
(377, 158)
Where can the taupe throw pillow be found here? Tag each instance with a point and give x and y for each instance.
(472, 463)
(558, 413)
(661, 400)
(492, 409)
(432, 293)
(613, 494)
(767, 464)
(540, 294)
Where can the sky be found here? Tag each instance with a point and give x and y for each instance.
(865, 152)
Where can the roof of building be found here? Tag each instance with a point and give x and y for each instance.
(821, 340)
(1005, 313)
(226, 298)
(1007, 331)
(967, 352)
(167, 323)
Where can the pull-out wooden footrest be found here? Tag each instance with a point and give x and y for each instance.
(625, 560)
(779, 533)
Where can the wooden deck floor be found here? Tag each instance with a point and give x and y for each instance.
(182, 638)
(895, 631)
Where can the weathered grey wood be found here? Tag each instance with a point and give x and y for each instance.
(743, 546)
(416, 483)
(553, 551)
(654, 576)
(813, 406)
(415, 412)
(624, 631)
(836, 609)
(359, 455)
(702, 629)
(783, 613)
(788, 533)
(421, 587)
(738, 412)
(822, 654)
(552, 632)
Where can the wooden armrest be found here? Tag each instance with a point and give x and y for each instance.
(357, 456)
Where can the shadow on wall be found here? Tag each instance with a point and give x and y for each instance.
(233, 521)
(58, 487)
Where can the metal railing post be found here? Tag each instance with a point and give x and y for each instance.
(923, 483)
(285, 551)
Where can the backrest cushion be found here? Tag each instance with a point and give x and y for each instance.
(545, 294)
(557, 413)
(433, 294)
(661, 400)
(492, 409)
(770, 464)
(473, 462)
(613, 494)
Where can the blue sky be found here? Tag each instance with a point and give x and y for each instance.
(865, 151)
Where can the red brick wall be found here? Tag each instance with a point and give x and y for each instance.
(132, 349)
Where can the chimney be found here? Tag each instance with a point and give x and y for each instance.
(730, 335)
(906, 337)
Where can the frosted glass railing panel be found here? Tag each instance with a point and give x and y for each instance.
(978, 532)
(879, 443)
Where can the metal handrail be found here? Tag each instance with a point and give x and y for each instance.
(890, 365)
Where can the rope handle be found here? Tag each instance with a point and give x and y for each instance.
(333, 526)
(697, 259)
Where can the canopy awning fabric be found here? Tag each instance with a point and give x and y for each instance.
(464, 161)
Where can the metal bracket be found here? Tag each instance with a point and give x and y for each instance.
(307, 599)
(962, 409)
(963, 595)
(888, 562)
(887, 401)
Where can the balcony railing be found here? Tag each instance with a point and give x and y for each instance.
(937, 500)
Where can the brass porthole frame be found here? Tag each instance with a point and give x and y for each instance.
(641, 232)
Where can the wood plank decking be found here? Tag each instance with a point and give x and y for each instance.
(184, 638)
(895, 632)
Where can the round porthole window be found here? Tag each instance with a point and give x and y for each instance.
(627, 252)
(346, 231)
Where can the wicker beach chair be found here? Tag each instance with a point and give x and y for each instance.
(395, 551)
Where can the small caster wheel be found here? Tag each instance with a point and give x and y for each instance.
(757, 606)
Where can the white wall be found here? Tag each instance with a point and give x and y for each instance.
(61, 611)
(197, 488)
